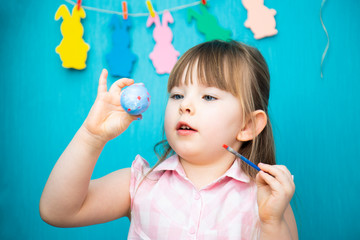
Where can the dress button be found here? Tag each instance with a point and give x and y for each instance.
(197, 196)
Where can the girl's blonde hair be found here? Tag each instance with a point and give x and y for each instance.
(240, 70)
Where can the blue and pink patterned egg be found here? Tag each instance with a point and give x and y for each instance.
(135, 99)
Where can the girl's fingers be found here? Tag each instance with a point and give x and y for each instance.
(280, 174)
(285, 170)
(271, 169)
(137, 117)
(269, 180)
(275, 171)
(102, 81)
(119, 84)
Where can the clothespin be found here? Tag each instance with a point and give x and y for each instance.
(78, 4)
(125, 10)
(203, 2)
(150, 8)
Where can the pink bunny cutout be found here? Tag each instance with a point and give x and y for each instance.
(164, 56)
(260, 19)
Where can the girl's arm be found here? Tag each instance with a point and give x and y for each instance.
(285, 229)
(70, 198)
(275, 190)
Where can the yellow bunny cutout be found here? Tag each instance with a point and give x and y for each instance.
(72, 49)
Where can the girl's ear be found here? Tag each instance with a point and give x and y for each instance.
(253, 128)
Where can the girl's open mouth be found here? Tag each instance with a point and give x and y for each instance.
(185, 129)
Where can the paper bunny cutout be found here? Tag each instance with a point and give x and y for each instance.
(72, 49)
(260, 19)
(120, 59)
(208, 25)
(164, 56)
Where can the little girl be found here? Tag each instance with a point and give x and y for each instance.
(219, 94)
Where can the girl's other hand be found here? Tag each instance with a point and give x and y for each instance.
(107, 119)
(275, 190)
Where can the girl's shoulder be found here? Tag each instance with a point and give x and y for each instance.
(143, 174)
(140, 165)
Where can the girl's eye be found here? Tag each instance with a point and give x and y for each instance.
(176, 96)
(209, 98)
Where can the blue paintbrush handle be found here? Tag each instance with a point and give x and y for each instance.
(250, 163)
(241, 157)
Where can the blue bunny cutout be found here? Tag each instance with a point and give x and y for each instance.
(120, 59)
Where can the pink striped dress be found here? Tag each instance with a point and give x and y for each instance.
(166, 205)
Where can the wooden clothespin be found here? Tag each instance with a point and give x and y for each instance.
(78, 4)
(125, 10)
(150, 8)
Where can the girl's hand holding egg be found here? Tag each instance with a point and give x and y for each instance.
(108, 118)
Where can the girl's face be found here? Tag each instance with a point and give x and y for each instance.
(200, 119)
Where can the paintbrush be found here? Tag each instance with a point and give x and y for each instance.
(241, 157)
(245, 159)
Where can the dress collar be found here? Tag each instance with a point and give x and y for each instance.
(173, 164)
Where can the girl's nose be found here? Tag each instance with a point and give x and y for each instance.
(186, 107)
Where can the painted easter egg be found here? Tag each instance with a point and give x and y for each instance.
(135, 99)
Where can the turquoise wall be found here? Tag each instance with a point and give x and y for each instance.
(316, 120)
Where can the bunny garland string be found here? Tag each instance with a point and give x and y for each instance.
(120, 59)
(72, 49)
(164, 56)
(208, 25)
(260, 19)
